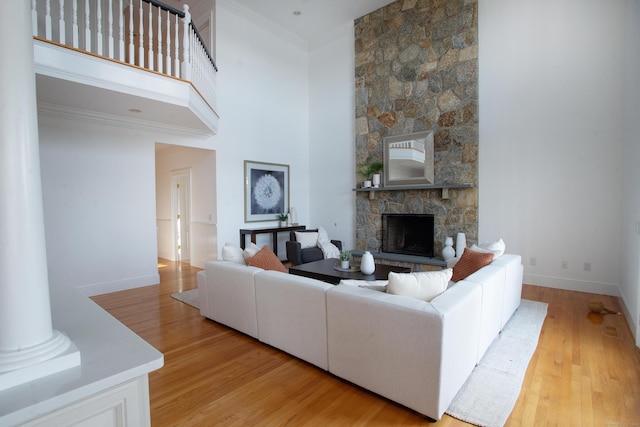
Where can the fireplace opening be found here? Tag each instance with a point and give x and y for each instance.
(408, 234)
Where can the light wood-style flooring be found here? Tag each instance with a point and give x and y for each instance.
(585, 371)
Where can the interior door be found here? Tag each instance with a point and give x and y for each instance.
(181, 201)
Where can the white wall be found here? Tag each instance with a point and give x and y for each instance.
(264, 107)
(551, 137)
(202, 164)
(332, 136)
(99, 203)
(630, 244)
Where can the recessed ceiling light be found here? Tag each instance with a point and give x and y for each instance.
(297, 13)
(134, 110)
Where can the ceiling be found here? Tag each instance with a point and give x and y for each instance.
(317, 17)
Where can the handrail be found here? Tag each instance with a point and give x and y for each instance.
(181, 14)
(166, 7)
(204, 46)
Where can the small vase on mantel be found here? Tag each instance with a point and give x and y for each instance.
(376, 180)
(367, 265)
(461, 243)
(448, 252)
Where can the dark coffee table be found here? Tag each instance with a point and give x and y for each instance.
(324, 270)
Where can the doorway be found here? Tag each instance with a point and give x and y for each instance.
(181, 213)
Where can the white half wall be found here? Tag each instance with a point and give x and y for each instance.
(263, 100)
(551, 137)
(332, 136)
(99, 202)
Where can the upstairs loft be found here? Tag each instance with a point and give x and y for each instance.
(134, 63)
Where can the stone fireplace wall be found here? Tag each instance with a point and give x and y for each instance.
(417, 69)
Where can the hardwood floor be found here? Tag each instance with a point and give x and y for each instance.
(585, 371)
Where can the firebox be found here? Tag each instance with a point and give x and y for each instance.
(408, 234)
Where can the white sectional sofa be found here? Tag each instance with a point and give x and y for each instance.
(414, 352)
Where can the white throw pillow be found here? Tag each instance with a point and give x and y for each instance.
(233, 254)
(251, 250)
(497, 248)
(422, 285)
(307, 239)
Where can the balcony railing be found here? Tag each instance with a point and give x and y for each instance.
(143, 33)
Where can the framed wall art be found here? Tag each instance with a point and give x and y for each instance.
(266, 191)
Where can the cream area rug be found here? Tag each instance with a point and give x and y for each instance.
(492, 389)
(188, 297)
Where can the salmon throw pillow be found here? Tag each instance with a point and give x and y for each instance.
(469, 263)
(267, 260)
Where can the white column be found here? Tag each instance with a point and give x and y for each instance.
(26, 335)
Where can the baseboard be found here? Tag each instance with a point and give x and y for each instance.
(119, 285)
(572, 285)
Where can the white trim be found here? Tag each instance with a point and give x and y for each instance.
(572, 284)
(118, 285)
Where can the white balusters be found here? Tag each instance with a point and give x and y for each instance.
(74, 31)
(120, 32)
(87, 26)
(160, 58)
(168, 42)
(110, 30)
(150, 38)
(99, 27)
(47, 20)
(141, 38)
(176, 50)
(34, 18)
(186, 45)
(62, 28)
(131, 47)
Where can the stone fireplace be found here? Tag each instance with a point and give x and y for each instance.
(417, 70)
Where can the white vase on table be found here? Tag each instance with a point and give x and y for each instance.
(461, 243)
(367, 265)
(448, 252)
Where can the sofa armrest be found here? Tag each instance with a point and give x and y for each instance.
(294, 252)
(337, 243)
(228, 295)
(413, 352)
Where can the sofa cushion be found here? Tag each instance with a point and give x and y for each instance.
(233, 254)
(308, 239)
(267, 260)
(422, 285)
(470, 262)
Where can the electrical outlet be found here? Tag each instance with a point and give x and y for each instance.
(533, 261)
(564, 265)
(587, 266)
